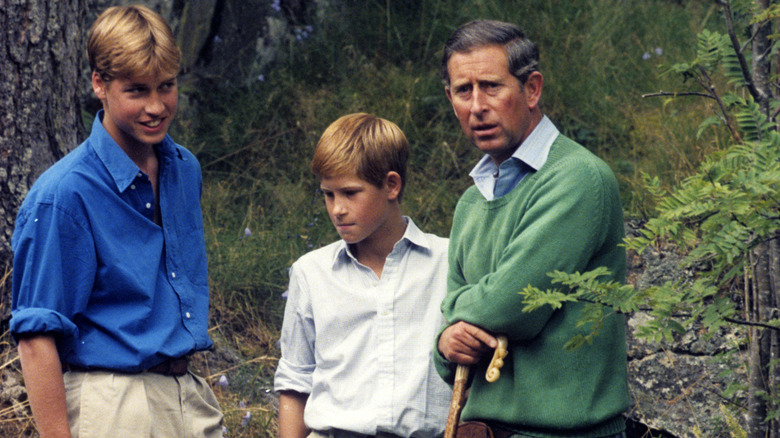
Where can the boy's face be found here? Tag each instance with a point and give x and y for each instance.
(357, 208)
(138, 110)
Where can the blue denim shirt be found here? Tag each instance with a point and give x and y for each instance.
(91, 268)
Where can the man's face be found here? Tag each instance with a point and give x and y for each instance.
(493, 107)
(138, 110)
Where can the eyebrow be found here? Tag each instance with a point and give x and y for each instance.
(142, 83)
(341, 189)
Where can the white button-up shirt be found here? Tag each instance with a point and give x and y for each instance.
(361, 345)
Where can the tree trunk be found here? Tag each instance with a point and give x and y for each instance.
(764, 293)
(760, 342)
(40, 117)
(774, 371)
(762, 66)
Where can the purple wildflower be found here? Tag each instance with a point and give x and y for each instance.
(223, 381)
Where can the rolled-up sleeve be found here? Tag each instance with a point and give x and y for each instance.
(54, 269)
(296, 367)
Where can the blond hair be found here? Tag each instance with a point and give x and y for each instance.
(363, 145)
(129, 41)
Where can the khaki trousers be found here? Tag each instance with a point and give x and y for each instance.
(345, 434)
(106, 404)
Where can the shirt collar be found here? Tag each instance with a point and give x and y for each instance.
(532, 151)
(413, 237)
(121, 168)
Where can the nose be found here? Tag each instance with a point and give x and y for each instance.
(154, 105)
(338, 207)
(478, 102)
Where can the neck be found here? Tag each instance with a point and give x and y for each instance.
(144, 157)
(373, 251)
(536, 118)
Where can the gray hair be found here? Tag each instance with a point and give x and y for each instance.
(522, 54)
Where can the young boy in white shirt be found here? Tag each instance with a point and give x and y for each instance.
(362, 312)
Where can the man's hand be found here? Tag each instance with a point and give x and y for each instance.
(465, 343)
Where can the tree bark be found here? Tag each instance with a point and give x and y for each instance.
(760, 341)
(773, 256)
(40, 116)
(764, 344)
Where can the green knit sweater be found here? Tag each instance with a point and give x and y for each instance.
(566, 217)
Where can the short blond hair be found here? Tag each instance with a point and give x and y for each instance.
(129, 41)
(363, 145)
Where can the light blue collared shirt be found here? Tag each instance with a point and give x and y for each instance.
(360, 345)
(496, 181)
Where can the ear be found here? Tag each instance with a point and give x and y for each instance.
(448, 92)
(393, 185)
(533, 89)
(99, 86)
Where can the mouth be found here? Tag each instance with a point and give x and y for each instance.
(343, 227)
(483, 129)
(152, 123)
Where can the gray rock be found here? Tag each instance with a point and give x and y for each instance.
(679, 388)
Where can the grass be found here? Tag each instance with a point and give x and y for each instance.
(254, 140)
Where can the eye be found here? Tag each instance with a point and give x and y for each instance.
(491, 87)
(463, 90)
(135, 89)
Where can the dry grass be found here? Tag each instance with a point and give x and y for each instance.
(235, 399)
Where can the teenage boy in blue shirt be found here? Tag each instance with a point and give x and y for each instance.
(362, 312)
(110, 289)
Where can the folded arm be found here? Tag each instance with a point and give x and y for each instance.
(558, 225)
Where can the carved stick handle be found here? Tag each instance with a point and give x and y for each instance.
(458, 397)
(492, 373)
(462, 377)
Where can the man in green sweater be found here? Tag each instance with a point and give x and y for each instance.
(540, 203)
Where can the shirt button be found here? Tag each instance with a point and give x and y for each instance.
(187, 315)
(173, 274)
(132, 186)
(148, 205)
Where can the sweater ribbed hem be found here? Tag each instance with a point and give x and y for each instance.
(605, 429)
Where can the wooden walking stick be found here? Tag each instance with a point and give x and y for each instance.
(461, 379)
(458, 398)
